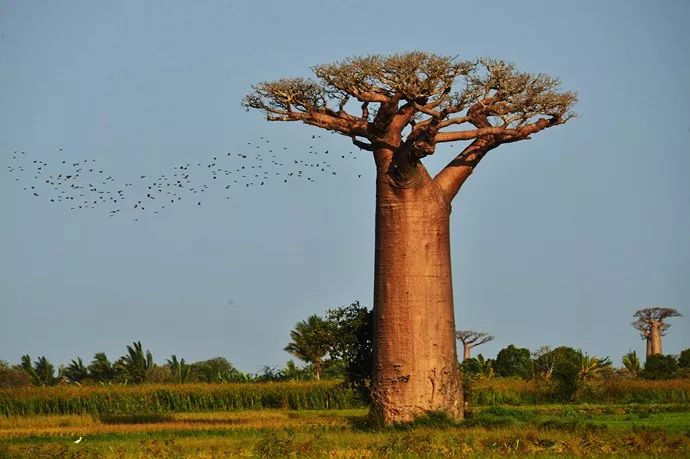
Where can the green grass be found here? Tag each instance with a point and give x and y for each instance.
(492, 431)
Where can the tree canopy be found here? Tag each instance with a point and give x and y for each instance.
(428, 97)
(647, 316)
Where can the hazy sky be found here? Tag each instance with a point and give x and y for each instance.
(555, 241)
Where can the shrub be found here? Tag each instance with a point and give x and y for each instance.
(660, 366)
(513, 361)
(684, 359)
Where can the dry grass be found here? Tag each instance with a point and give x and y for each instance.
(338, 434)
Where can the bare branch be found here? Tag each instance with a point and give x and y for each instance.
(473, 338)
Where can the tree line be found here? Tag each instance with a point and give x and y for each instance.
(339, 345)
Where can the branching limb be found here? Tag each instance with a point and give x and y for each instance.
(362, 145)
(451, 177)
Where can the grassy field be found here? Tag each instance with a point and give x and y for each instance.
(305, 395)
(490, 431)
(322, 419)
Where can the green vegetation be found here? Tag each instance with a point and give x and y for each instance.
(659, 366)
(157, 398)
(491, 431)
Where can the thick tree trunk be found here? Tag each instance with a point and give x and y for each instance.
(655, 338)
(415, 363)
(649, 346)
(465, 352)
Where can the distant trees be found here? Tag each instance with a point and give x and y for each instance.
(341, 346)
(651, 323)
(471, 339)
(217, 369)
(42, 372)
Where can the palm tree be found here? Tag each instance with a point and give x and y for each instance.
(76, 371)
(590, 366)
(42, 372)
(631, 362)
(100, 369)
(311, 341)
(135, 364)
(179, 368)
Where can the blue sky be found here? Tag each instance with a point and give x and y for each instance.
(555, 241)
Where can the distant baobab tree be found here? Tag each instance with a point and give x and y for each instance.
(651, 324)
(407, 105)
(470, 339)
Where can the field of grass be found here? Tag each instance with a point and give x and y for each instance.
(491, 431)
(323, 419)
(305, 395)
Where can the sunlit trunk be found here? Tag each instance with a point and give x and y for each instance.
(415, 364)
(655, 338)
(465, 352)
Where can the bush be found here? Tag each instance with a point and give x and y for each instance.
(660, 366)
(11, 377)
(563, 364)
(514, 361)
(684, 359)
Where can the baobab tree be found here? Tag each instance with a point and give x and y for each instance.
(470, 339)
(651, 324)
(407, 105)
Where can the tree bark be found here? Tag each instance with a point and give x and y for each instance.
(415, 357)
(466, 352)
(655, 338)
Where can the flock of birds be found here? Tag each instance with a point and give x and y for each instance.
(83, 185)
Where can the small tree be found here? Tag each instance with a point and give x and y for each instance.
(478, 366)
(631, 362)
(543, 362)
(471, 339)
(651, 323)
(311, 341)
(351, 337)
(513, 361)
(564, 365)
